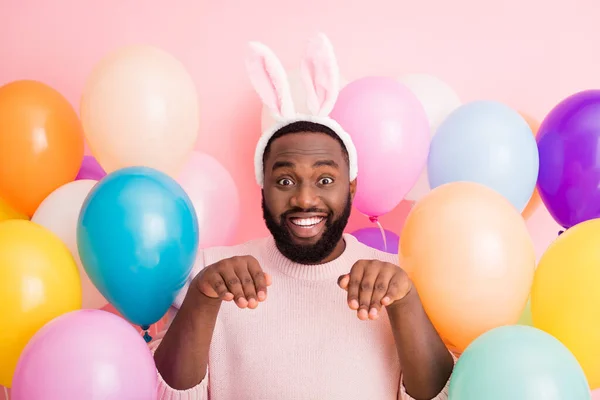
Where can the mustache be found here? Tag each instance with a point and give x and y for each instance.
(305, 210)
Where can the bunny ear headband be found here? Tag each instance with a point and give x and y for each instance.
(321, 78)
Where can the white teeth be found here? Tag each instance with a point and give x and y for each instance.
(307, 222)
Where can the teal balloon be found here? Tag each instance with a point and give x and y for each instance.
(489, 143)
(137, 236)
(517, 362)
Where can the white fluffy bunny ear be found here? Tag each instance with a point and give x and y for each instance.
(269, 79)
(321, 76)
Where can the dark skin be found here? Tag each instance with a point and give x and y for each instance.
(307, 171)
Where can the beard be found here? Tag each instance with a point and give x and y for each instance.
(313, 253)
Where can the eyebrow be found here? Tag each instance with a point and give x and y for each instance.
(282, 164)
(320, 163)
(327, 163)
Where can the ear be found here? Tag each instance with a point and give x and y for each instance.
(269, 79)
(353, 188)
(320, 74)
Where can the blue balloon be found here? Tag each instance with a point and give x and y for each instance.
(489, 143)
(517, 362)
(138, 238)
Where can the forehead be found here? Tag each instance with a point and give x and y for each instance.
(305, 145)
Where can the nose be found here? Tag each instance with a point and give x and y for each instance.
(305, 198)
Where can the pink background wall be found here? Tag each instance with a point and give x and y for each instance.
(527, 53)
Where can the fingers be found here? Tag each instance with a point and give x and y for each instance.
(242, 280)
(343, 281)
(247, 285)
(234, 286)
(268, 279)
(217, 283)
(366, 292)
(380, 289)
(398, 287)
(259, 278)
(354, 280)
(372, 284)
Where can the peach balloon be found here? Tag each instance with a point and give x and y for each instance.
(535, 200)
(470, 256)
(140, 108)
(59, 213)
(596, 394)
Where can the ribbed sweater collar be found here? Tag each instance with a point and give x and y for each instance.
(316, 272)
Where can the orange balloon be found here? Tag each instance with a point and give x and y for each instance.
(534, 203)
(41, 143)
(7, 212)
(535, 200)
(532, 122)
(470, 256)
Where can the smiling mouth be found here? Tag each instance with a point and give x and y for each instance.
(306, 227)
(307, 223)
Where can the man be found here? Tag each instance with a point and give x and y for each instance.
(309, 312)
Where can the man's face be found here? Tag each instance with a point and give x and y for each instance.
(307, 195)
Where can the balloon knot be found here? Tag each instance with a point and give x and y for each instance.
(147, 337)
(374, 219)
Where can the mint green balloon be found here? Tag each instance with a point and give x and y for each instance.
(518, 362)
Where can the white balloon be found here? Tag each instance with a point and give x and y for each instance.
(436, 96)
(439, 100)
(298, 96)
(59, 213)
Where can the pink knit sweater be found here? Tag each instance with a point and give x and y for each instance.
(303, 342)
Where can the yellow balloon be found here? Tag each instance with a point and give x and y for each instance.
(39, 281)
(7, 212)
(565, 297)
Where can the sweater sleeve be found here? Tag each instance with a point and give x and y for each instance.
(165, 392)
(443, 395)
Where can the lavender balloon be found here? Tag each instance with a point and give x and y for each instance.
(90, 169)
(372, 237)
(569, 150)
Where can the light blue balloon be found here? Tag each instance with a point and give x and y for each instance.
(518, 362)
(489, 143)
(138, 238)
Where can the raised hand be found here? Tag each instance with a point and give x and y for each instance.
(240, 279)
(372, 284)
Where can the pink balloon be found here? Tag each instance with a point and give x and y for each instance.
(90, 169)
(215, 197)
(86, 354)
(390, 130)
(596, 394)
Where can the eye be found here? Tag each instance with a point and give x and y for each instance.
(325, 181)
(285, 182)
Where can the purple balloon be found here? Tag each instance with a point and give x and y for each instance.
(372, 237)
(90, 169)
(86, 354)
(569, 148)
